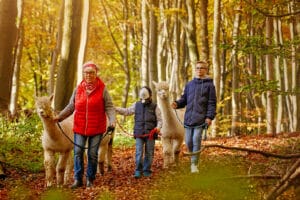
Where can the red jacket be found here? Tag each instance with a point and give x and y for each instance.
(89, 116)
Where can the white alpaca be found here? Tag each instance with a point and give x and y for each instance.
(172, 130)
(53, 141)
(56, 140)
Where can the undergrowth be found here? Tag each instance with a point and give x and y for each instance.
(21, 144)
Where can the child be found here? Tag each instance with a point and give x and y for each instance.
(147, 124)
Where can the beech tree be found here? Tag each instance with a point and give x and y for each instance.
(8, 29)
(66, 76)
(17, 61)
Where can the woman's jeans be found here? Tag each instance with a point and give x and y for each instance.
(93, 145)
(144, 164)
(193, 137)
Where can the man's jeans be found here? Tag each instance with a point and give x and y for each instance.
(193, 138)
(144, 164)
(93, 145)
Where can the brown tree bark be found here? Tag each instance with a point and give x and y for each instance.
(17, 62)
(8, 30)
(70, 47)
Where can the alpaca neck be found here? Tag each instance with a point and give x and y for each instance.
(50, 128)
(166, 110)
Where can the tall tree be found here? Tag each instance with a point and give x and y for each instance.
(190, 27)
(269, 77)
(8, 30)
(56, 50)
(84, 37)
(145, 43)
(295, 68)
(216, 57)
(203, 32)
(17, 61)
(125, 54)
(235, 72)
(69, 53)
(152, 51)
(277, 29)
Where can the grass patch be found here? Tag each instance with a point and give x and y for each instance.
(214, 181)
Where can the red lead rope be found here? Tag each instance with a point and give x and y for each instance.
(151, 134)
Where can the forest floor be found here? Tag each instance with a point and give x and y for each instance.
(120, 183)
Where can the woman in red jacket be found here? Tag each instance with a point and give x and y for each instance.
(91, 105)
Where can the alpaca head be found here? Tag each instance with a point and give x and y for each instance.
(162, 89)
(43, 107)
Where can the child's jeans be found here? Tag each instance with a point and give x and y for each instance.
(144, 164)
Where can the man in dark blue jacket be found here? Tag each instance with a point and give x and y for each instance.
(199, 97)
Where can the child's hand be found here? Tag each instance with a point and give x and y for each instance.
(174, 105)
(117, 109)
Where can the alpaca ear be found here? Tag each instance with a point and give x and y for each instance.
(154, 83)
(51, 97)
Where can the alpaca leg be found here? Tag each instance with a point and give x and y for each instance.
(176, 149)
(167, 152)
(69, 169)
(101, 156)
(109, 154)
(49, 164)
(61, 167)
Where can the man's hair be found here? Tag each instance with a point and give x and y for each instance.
(202, 62)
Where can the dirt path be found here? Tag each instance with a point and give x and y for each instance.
(120, 183)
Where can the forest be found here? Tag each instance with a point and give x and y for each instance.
(253, 51)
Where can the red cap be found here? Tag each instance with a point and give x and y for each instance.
(90, 64)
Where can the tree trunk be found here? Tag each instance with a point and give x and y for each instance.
(8, 30)
(203, 32)
(152, 52)
(191, 34)
(269, 77)
(84, 37)
(216, 59)
(56, 50)
(295, 68)
(125, 55)
(145, 43)
(17, 62)
(235, 74)
(277, 25)
(174, 78)
(69, 53)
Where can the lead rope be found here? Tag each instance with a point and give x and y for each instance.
(204, 126)
(109, 131)
(122, 128)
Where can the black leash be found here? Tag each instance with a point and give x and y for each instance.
(178, 117)
(109, 131)
(203, 126)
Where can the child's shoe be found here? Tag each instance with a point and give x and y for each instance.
(147, 174)
(137, 174)
(194, 168)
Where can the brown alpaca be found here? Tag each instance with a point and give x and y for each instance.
(172, 130)
(54, 141)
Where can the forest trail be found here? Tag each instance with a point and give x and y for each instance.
(120, 183)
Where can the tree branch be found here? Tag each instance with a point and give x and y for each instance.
(287, 180)
(266, 154)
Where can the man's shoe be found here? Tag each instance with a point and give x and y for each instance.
(194, 168)
(76, 184)
(89, 183)
(137, 174)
